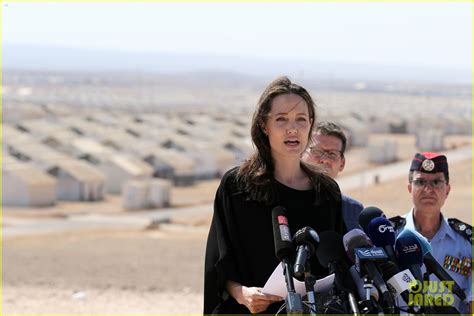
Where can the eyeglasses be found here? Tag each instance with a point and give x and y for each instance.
(330, 154)
(436, 184)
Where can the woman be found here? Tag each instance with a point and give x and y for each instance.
(240, 248)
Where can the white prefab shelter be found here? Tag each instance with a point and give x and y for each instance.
(135, 195)
(173, 165)
(223, 158)
(78, 181)
(142, 194)
(119, 168)
(88, 147)
(383, 151)
(25, 185)
(357, 130)
(159, 194)
(430, 140)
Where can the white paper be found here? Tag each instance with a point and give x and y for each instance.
(276, 284)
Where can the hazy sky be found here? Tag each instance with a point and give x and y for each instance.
(422, 34)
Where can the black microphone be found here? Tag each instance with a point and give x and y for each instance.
(331, 254)
(284, 250)
(382, 234)
(432, 265)
(410, 255)
(306, 240)
(368, 214)
(281, 234)
(366, 256)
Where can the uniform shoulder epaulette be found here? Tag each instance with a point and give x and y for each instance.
(463, 229)
(398, 222)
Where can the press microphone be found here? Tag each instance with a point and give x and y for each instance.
(410, 255)
(281, 234)
(366, 257)
(382, 234)
(399, 283)
(331, 254)
(284, 250)
(306, 240)
(368, 214)
(432, 266)
(354, 239)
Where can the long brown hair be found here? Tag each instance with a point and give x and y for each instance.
(255, 175)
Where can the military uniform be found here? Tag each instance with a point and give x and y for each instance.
(452, 248)
(452, 243)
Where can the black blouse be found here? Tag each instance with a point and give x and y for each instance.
(240, 244)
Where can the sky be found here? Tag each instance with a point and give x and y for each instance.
(407, 34)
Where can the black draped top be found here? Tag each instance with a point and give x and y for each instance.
(240, 244)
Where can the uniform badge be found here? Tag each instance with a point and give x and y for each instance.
(428, 165)
(461, 266)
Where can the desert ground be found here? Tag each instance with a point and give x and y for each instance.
(150, 269)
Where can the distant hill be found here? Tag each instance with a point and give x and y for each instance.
(49, 58)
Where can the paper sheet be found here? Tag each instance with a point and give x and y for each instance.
(276, 284)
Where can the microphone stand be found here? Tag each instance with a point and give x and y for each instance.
(293, 301)
(309, 282)
(368, 303)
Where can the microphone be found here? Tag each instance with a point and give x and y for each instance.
(432, 266)
(399, 283)
(307, 240)
(368, 214)
(382, 234)
(283, 250)
(281, 234)
(410, 254)
(354, 239)
(331, 254)
(366, 257)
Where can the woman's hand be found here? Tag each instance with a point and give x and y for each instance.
(251, 297)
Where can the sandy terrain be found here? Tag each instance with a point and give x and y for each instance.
(146, 271)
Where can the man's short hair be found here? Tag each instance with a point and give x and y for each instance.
(332, 129)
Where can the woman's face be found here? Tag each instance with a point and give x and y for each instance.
(288, 125)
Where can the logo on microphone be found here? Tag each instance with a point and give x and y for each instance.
(370, 253)
(383, 228)
(411, 248)
(406, 278)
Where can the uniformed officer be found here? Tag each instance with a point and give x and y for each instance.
(451, 239)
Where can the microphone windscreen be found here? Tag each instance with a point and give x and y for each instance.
(330, 248)
(367, 214)
(281, 233)
(425, 245)
(356, 238)
(307, 236)
(381, 232)
(409, 251)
